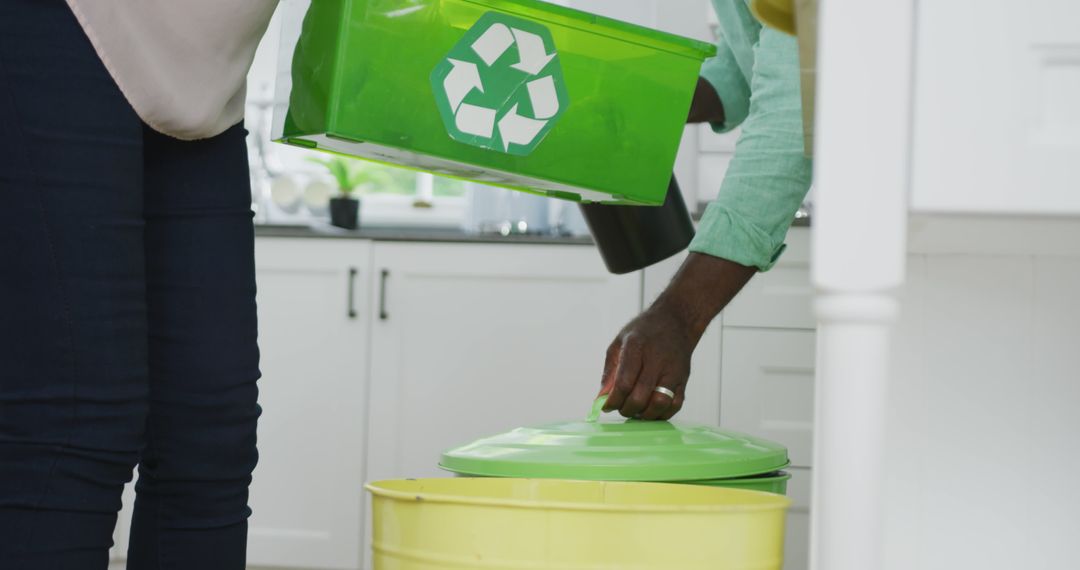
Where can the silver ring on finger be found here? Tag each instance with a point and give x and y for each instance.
(665, 392)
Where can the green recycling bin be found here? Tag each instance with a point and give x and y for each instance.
(632, 450)
(515, 93)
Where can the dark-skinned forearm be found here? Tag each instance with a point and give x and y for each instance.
(706, 106)
(702, 287)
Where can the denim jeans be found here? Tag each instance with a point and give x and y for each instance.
(127, 317)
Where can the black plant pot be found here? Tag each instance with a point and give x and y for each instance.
(634, 237)
(345, 212)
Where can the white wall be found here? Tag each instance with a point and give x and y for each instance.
(982, 415)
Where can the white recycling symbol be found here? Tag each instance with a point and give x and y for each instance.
(464, 77)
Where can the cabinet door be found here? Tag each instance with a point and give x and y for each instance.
(768, 387)
(781, 298)
(797, 535)
(475, 339)
(307, 494)
(997, 127)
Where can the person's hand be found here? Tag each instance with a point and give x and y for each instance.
(656, 347)
(653, 350)
(706, 106)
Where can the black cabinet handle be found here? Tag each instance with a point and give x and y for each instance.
(383, 315)
(353, 272)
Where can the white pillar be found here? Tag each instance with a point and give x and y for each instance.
(863, 124)
(852, 382)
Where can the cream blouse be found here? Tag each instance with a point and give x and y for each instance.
(182, 64)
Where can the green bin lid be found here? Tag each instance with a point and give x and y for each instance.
(618, 451)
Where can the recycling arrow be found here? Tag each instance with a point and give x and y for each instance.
(463, 78)
(544, 97)
(534, 57)
(517, 129)
(473, 120)
(501, 87)
(493, 43)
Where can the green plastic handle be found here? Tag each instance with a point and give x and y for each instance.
(597, 408)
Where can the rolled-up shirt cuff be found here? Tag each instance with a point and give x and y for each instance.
(724, 234)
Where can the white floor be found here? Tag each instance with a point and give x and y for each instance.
(120, 566)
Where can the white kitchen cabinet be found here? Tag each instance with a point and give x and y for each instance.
(470, 340)
(768, 388)
(797, 535)
(996, 124)
(307, 494)
(782, 297)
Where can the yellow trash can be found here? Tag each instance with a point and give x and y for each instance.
(533, 524)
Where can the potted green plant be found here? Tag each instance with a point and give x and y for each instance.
(353, 178)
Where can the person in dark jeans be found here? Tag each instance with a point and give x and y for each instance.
(127, 317)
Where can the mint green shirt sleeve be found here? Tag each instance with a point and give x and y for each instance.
(723, 73)
(769, 175)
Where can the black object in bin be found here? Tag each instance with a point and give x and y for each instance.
(634, 237)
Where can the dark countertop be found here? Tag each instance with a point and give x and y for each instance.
(412, 235)
(420, 234)
(802, 217)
